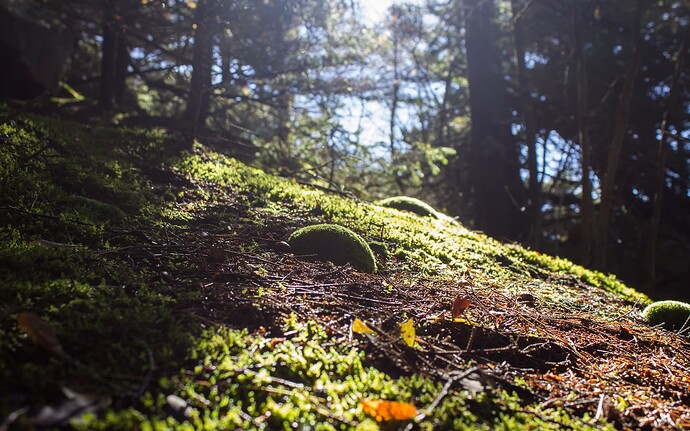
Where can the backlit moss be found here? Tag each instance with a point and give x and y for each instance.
(412, 205)
(335, 243)
(672, 314)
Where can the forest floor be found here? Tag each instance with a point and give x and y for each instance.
(140, 290)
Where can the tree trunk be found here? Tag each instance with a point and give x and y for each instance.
(620, 126)
(394, 98)
(108, 54)
(126, 10)
(122, 59)
(649, 275)
(494, 177)
(202, 62)
(530, 129)
(587, 205)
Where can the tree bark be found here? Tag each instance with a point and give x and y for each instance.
(494, 177)
(586, 205)
(620, 127)
(649, 275)
(202, 62)
(530, 129)
(108, 54)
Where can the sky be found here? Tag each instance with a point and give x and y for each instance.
(374, 9)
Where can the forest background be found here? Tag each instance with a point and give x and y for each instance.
(562, 125)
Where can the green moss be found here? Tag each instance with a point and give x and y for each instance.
(310, 381)
(380, 248)
(674, 315)
(96, 211)
(335, 243)
(412, 205)
(126, 325)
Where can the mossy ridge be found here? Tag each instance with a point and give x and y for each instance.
(413, 205)
(335, 243)
(148, 315)
(674, 315)
(241, 381)
(451, 248)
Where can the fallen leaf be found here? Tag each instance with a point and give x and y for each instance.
(360, 327)
(383, 411)
(41, 332)
(407, 332)
(459, 306)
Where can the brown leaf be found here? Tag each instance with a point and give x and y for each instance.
(41, 332)
(460, 304)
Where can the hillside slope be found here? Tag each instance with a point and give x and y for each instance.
(143, 291)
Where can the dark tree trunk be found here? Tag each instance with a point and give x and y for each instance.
(108, 54)
(587, 205)
(534, 192)
(122, 60)
(202, 62)
(127, 10)
(649, 274)
(620, 127)
(494, 180)
(117, 15)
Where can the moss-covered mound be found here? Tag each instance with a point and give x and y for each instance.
(335, 243)
(673, 314)
(412, 205)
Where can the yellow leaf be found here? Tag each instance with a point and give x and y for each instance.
(246, 91)
(191, 5)
(383, 411)
(407, 332)
(360, 327)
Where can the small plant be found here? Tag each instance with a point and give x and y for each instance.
(673, 314)
(335, 243)
(405, 203)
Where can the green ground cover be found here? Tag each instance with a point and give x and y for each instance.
(160, 277)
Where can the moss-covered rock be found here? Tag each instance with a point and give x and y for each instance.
(335, 243)
(380, 248)
(673, 314)
(412, 205)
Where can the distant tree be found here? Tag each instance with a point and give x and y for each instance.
(494, 182)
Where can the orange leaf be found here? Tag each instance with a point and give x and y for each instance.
(383, 411)
(41, 332)
(459, 306)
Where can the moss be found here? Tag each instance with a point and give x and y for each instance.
(335, 243)
(123, 321)
(310, 381)
(672, 314)
(412, 205)
(95, 210)
(380, 248)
